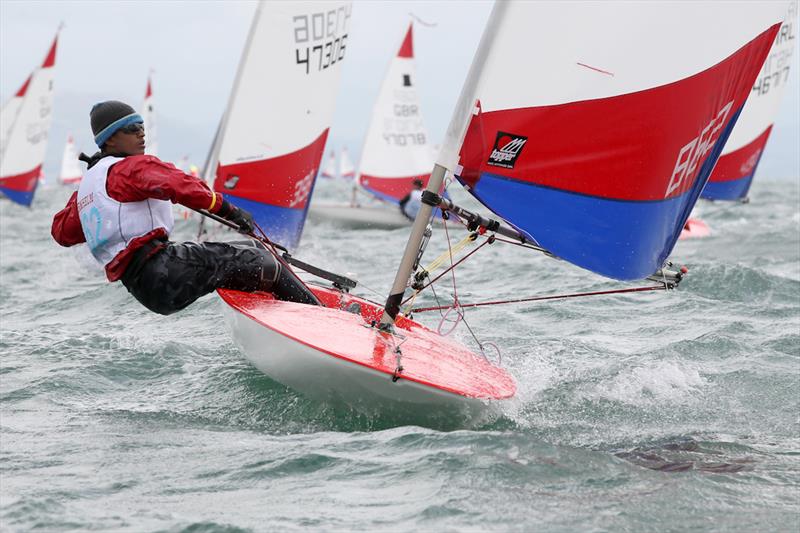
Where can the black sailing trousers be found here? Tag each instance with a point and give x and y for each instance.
(169, 279)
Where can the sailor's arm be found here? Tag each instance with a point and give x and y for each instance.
(139, 177)
(66, 229)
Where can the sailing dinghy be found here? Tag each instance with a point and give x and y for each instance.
(71, 173)
(24, 125)
(329, 170)
(397, 150)
(347, 170)
(270, 143)
(545, 159)
(733, 175)
(149, 116)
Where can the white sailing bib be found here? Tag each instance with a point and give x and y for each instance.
(109, 225)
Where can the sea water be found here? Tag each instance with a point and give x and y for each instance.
(662, 411)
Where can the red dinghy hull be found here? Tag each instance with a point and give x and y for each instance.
(332, 354)
(695, 228)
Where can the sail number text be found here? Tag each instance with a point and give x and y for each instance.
(321, 38)
(690, 155)
(775, 71)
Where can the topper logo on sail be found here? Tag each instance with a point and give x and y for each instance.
(691, 154)
(507, 148)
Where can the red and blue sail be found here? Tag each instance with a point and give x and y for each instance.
(607, 174)
(270, 144)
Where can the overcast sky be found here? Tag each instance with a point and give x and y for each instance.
(106, 50)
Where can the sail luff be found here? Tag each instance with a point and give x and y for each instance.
(465, 105)
(448, 157)
(212, 160)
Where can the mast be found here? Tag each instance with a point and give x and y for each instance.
(447, 160)
(213, 154)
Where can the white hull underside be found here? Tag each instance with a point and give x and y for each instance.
(327, 378)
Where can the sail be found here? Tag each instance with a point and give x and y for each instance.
(347, 170)
(597, 149)
(25, 142)
(397, 149)
(280, 111)
(737, 165)
(150, 123)
(71, 172)
(329, 170)
(9, 112)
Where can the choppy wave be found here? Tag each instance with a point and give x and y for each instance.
(649, 412)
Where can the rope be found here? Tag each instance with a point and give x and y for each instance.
(434, 280)
(541, 298)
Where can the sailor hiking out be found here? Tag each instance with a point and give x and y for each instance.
(123, 211)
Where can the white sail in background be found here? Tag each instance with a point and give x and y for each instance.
(397, 149)
(150, 122)
(737, 165)
(24, 144)
(71, 172)
(273, 134)
(346, 168)
(8, 114)
(329, 170)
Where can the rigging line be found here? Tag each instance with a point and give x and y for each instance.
(436, 263)
(456, 306)
(484, 243)
(427, 24)
(556, 297)
(453, 270)
(526, 245)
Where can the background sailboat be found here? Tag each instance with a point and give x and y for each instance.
(329, 170)
(397, 150)
(71, 172)
(347, 170)
(272, 138)
(733, 175)
(150, 122)
(24, 126)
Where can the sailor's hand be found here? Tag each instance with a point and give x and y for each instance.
(243, 219)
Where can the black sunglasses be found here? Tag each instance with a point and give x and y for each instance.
(134, 127)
